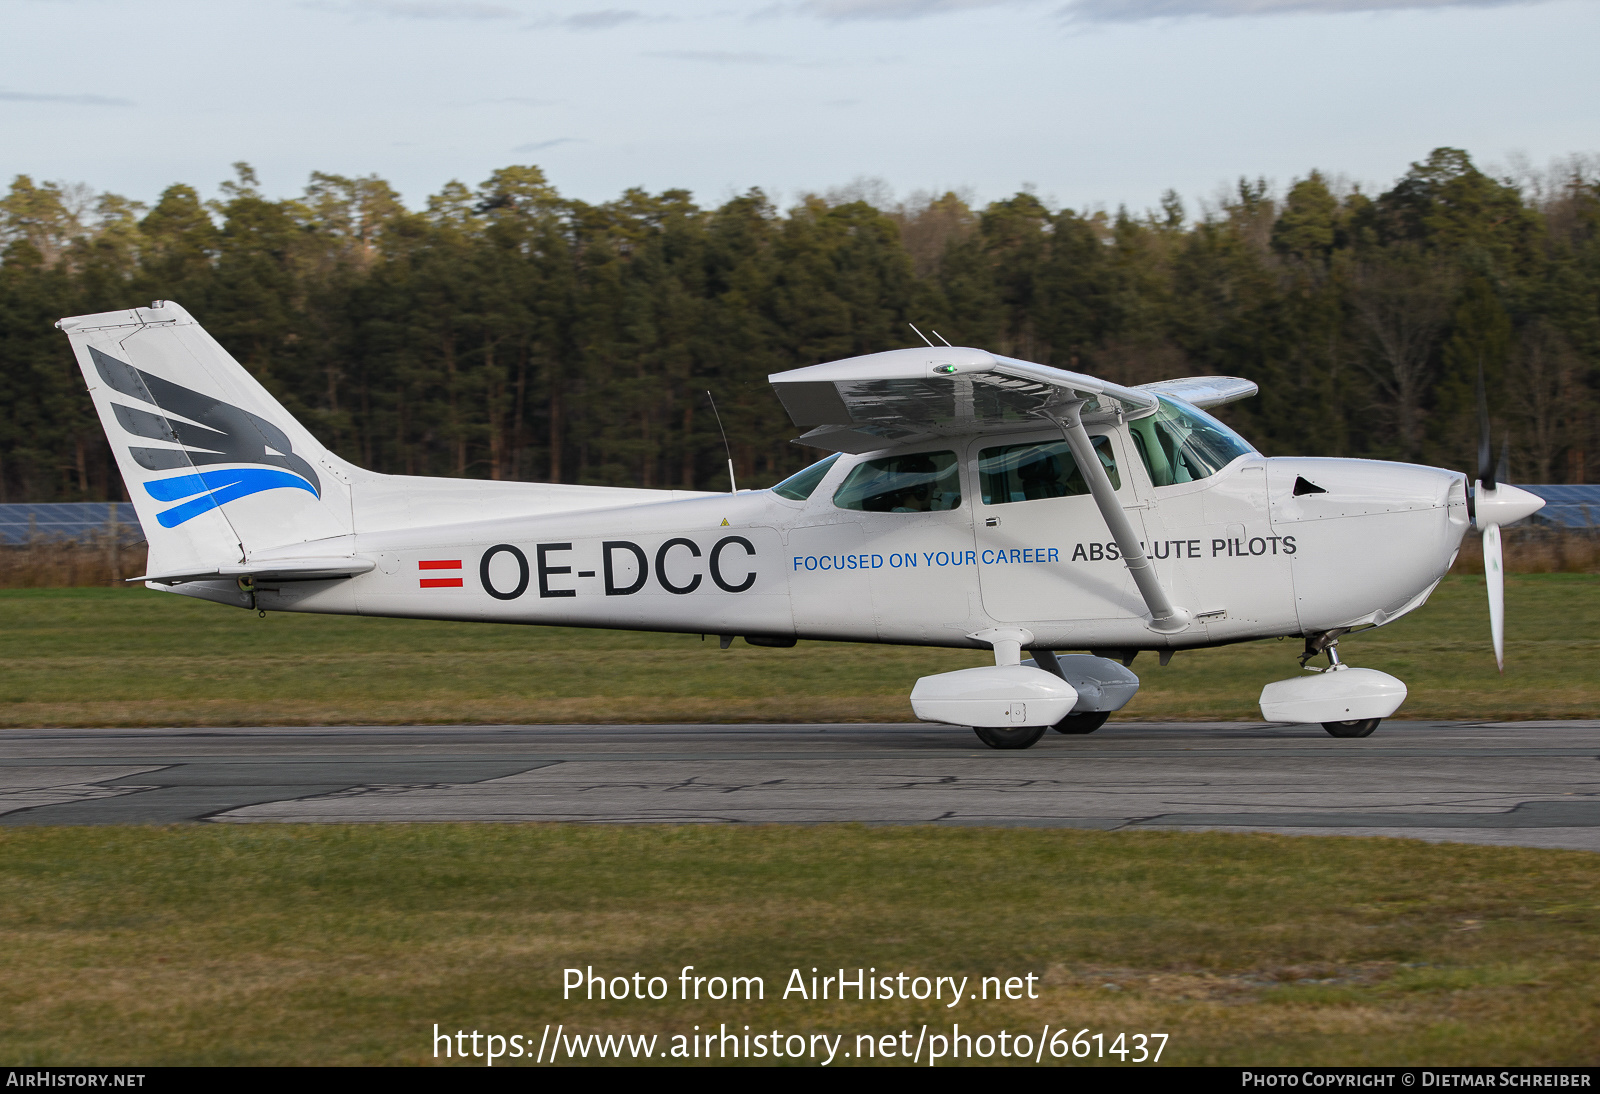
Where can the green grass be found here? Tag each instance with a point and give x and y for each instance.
(81, 657)
(334, 944)
(291, 944)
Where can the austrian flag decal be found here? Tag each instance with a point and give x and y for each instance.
(440, 564)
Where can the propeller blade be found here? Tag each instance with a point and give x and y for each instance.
(1485, 446)
(1494, 578)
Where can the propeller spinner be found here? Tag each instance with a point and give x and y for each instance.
(1496, 502)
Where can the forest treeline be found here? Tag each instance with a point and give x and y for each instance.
(505, 331)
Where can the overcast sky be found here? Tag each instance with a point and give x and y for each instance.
(1093, 102)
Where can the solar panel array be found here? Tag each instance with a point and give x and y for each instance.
(82, 521)
(1567, 506)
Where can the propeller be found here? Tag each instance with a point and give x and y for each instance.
(1495, 502)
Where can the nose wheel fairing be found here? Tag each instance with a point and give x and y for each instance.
(1337, 694)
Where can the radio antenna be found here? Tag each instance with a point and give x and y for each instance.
(941, 338)
(922, 336)
(733, 487)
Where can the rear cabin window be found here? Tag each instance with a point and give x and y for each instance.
(926, 482)
(1029, 472)
(800, 485)
(1181, 443)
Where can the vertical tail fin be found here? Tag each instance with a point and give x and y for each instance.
(216, 468)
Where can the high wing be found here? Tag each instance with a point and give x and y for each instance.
(865, 403)
(1204, 391)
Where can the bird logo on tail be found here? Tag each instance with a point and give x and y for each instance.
(210, 432)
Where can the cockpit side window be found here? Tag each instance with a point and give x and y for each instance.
(1181, 443)
(801, 485)
(925, 482)
(1029, 472)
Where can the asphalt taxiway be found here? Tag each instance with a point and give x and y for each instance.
(1528, 783)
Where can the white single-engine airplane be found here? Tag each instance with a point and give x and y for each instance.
(970, 500)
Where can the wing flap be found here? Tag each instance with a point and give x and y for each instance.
(813, 403)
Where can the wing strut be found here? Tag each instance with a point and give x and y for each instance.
(1165, 617)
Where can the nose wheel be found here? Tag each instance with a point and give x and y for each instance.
(1010, 737)
(1353, 727)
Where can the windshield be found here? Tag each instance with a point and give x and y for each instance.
(1182, 443)
(799, 486)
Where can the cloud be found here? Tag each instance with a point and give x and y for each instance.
(437, 9)
(540, 146)
(719, 57)
(1124, 11)
(503, 100)
(1136, 11)
(601, 20)
(72, 100)
(845, 10)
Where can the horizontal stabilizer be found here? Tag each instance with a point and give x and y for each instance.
(281, 569)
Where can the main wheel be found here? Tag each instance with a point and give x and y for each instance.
(1082, 723)
(1010, 737)
(1355, 727)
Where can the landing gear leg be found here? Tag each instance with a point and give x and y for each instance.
(1327, 642)
(1353, 727)
(1010, 737)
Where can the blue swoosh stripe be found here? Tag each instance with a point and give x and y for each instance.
(217, 488)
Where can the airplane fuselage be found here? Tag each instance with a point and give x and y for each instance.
(1249, 556)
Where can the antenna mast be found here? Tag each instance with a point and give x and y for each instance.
(733, 487)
